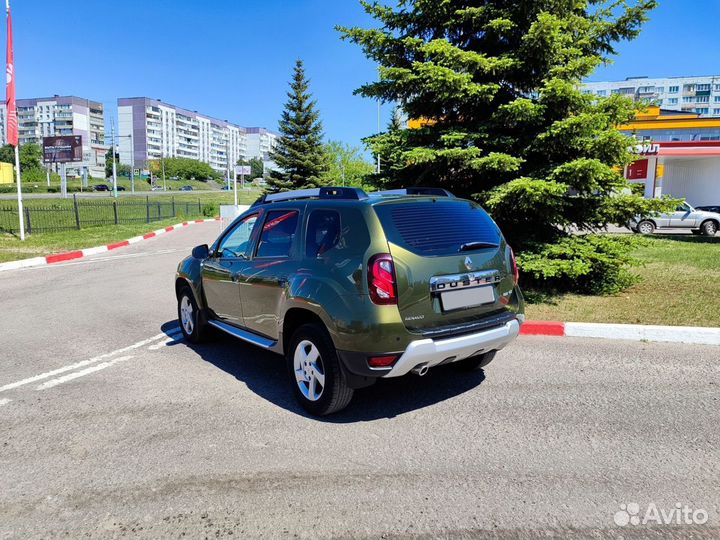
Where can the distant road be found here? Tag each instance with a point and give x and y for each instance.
(13, 196)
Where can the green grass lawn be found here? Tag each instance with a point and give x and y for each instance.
(37, 245)
(680, 286)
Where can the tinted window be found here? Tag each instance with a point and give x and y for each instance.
(277, 234)
(437, 227)
(323, 232)
(236, 242)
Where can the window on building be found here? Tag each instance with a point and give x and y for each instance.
(672, 101)
(716, 111)
(716, 99)
(688, 87)
(703, 99)
(659, 89)
(674, 89)
(602, 92)
(702, 87)
(701, 110)
(688, 99)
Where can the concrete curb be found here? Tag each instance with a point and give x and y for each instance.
(78, 254)
(634, 332)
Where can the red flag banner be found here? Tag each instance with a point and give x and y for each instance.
(12, 119)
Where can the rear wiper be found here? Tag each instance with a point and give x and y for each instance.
(469, 246)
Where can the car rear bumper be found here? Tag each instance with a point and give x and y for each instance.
(432, 352)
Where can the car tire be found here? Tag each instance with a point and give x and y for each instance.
(708, 228)
(192, 319)
(646, 227)
(312, 362)
(476, 362)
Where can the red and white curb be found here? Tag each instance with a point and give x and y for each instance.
(634, 332)
(80, 253)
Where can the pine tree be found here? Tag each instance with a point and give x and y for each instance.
(496, 85)
(395, 122)
(299, 151)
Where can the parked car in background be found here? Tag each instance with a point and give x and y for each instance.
(712, 208)
(684, 217)
(186, 188)
(101, 187)
(121, 188)
(352, 287)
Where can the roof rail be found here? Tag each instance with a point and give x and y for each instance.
(432, 191)
(326, 192)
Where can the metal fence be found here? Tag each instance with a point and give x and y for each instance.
(67, 214)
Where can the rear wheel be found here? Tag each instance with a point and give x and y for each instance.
(475, 362)
(646, 227)
(192, 319)
(318, 382)
(708, 228)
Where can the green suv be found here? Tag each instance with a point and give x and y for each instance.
(351, 286)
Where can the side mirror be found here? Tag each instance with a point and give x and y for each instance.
(201, 252)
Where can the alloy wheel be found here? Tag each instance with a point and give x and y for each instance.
(309, 370)
(186, 315)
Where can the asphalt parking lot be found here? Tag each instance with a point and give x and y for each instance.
(111, 426)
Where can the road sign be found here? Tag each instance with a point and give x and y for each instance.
(244, 170)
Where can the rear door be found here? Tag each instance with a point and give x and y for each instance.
(451, 262)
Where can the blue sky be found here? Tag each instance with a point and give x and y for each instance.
(232, 59)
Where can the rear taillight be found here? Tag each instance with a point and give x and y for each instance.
(381, 280)
(382, 361)
(516, 272)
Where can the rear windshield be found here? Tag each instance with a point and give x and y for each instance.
(436, 227)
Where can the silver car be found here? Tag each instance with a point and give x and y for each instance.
(684, 217)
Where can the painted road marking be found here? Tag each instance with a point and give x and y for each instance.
(80, 364)
(4, 401)
(174, 336)
(82, 372)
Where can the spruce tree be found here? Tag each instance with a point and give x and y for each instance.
(299, 152)
(496, 85)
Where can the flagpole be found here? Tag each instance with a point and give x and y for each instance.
(21, 215)
(12, 110)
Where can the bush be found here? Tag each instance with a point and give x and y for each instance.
(210, 210)
(589, 264)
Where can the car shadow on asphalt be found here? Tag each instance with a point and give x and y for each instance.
(264, 373)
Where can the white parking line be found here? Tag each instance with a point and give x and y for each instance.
(165, 342)
(80, 364)
(82, 372)
(4, 401)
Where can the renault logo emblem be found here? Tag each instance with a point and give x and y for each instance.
(468, 263)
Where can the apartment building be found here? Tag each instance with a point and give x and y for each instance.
(699, 95)
(150, 129)
(260, 141)
(63, 115)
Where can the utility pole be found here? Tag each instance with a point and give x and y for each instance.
(162, 164)
(112, 136)
(132, 163)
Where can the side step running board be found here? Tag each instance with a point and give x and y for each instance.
(260, 341)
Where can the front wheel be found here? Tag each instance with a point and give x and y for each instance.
(318, 382)
(192, 319)
(708, 228)
(646, 227)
